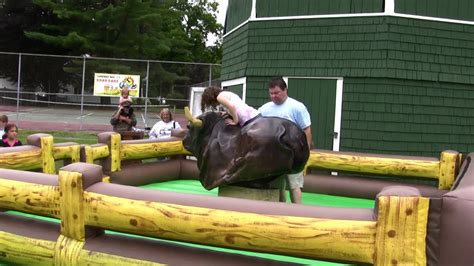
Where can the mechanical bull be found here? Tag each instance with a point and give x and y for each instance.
(248, 156)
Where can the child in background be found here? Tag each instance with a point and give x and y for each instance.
(124, 96)
(11, 130)
(3, 123)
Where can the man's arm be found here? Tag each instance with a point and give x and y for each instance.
(115, 118)
(309, 136)
(133, 120)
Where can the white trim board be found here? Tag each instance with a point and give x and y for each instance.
(338, 114)
(195, 94)
(353, 15)
(239, 81)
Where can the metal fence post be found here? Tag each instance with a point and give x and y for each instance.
(210, 75)
(146, 90)
(82, 90)
(18, 89)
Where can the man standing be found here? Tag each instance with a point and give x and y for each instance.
(286, 107)
(124, 119)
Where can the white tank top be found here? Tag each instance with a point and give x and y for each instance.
(244, 112)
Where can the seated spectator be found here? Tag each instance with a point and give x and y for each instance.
(124, 119)
(163, 128)
(11, 139)
(3, 123)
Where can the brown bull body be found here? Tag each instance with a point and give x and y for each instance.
(249, 156)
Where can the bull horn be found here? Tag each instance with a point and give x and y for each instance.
(196, 122)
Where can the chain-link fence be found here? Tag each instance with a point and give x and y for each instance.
(53, 88)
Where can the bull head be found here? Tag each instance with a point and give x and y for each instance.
(196, 122)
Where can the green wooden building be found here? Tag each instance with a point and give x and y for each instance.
(380, 76)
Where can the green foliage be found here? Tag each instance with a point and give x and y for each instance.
(160, 30)
(166, 30)
(130, 28)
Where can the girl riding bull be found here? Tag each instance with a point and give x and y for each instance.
(241, 113)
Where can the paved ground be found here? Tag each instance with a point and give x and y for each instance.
(68, 119)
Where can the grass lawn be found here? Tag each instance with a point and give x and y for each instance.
(61, 136)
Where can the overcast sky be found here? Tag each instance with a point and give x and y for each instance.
(220, 18)
(222, 9)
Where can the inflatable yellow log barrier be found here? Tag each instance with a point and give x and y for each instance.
(41, 154)
(89, 154)
(29, 251)
(100, 151)
(71, 202)
(131, 151)
(95, 152)
(98, 258)
(26, 251)
(398, 235)
(401, 230)
(443, 170)
(69, 150)
(448, 169)
(308, 237)
(47, 154)
(21, 159)
(28, 197)
(115, 152)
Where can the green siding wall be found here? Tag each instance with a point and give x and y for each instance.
(257, 91)
(407, 117)
(238, 11)
(408, 84)
(279, 8)
(394, 116)
(235, 56)
(353, 47)
(453, 9)
(318, 47)
(433, 51)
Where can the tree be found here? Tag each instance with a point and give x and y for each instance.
(16, 16)
(142, 29)
(127, 28)
(198, 18)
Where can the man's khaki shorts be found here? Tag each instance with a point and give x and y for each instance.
(295, 180)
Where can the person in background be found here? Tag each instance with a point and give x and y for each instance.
(11, 140)
(124, 96)
(241, 113)
(124, 119)
(3, 123)
(163, 128)
(286, 107)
